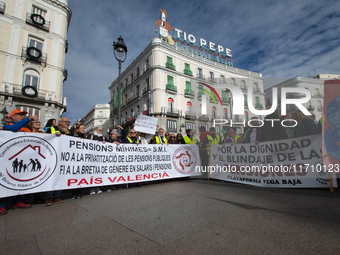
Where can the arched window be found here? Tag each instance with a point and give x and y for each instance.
(225, 113)
(213, 115)
(171, 103)
(31, 78)
(189, 107)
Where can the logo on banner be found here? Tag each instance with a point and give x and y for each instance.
(27, 162)
(184, 160)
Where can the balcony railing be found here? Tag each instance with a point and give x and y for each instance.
(171, 66)
(188, 72)
(317, 95)
(244, 88)
(132, 98)
(16, 89)
(189, 92)
(37, 21)
(258, 106)
(190, 114)
(171, 87)
(2, 7)
(34, 54)
(310, 108)
(203, 116)
(146, 89)
(212, 79)
(170, 110)
(200, 76)
(257, 90)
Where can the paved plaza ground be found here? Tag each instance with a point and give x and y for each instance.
(180, 217)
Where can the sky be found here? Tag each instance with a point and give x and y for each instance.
(280, 39)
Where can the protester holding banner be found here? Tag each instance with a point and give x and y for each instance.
(34, 127)
(61, 129)
(160, 138)
(231, 137)
(273, 130)
(190, 138)
(97, 134)
(179, 139)
(142, 138)
(131, 137)
(210, 139)
(79, 131)
(253, 134)
(113, 137)
(19, 121)
(172, 139)
(305, 126)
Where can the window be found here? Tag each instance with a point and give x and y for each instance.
(131, 94)
(31, 78)
(189, 107)
(170, 84)
(217, 130)
(187, 69)
(131, 81)
(137, 110)
(211, 77)
(37, 44)
(257, 102)
(256, 87)
(126, 82)
(188, 90)
(190, 125)
(225, 113)
(213, 112)
(200, 90)
(31, 111)
(40, 12)
(233, 81)
(100, 115)
(317, 92)
(171, 126)
(203, 125)
(222, 80)
(169, 63)
(170, 104)
(243, 84)
(245, 100)
(137, 72)
(200, 73)
(225, 98)
(131, 112)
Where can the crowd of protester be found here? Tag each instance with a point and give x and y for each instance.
(255, 133)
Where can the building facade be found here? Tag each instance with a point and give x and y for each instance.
(314, 85)
(32, 56)
(168, 82)
(98, 115)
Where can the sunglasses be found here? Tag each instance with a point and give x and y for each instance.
(172, 137)
(133, 132)
(7, 117)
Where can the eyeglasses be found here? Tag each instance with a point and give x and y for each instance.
(7, 117)
(173, 137)
(133, 132)
(100, 129)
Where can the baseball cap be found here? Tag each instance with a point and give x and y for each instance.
(17, 111)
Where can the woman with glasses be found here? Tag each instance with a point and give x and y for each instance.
(97, 136)
(35, 126)
(180, 139)
(172, 139)
(131, 137)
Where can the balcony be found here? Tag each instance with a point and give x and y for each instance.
(171, 66)
(189, 92)
(146, 89)
(37, 21)
(258, 106)
(204, 117)
(33, 54)
(200, 76)
(172, 111)
(146, 67)
(257, 90)
(132, 98)
(188, 72)
(190, 115)
(317, 95)
(212, 79)
(2, 7)
(16, 89)
(171, 87)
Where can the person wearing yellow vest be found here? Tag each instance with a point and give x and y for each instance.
(160, 138)
(61, 129)
(231, 137)
(190, 138)
(131, 137)
(210, 139)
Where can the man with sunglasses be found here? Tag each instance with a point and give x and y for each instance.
(19, 121)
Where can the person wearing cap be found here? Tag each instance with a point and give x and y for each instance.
(254, 133)
(190, 138)
(19, 121)
(17, 124)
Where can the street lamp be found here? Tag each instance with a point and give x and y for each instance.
(228, 92)
(120, 51)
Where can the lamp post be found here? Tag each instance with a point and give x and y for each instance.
(120, 52)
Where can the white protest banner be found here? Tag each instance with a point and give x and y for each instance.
(41, 162)
(146, 124)
(291, 163)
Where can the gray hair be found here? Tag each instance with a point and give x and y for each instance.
(160, 129)
(98, 127)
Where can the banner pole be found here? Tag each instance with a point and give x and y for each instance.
(331, 187)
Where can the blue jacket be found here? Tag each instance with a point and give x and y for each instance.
(16, 126)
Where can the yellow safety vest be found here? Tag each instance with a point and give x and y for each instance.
(212, 141)
(187, 140)
(158, 142)
(53, 130)
(233, 138)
